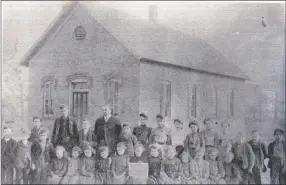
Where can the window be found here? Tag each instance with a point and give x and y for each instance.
(47, 99)
(215, 103)
(231, 108)
(112, 94)
(165, 104)
(79, 33)
(192, 101)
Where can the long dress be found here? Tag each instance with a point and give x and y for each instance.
(57, 171)
(232, 173)
(87, 171)
(225, 143)
(170, 171)
(186, 173)
(217, 172)
(193, 142)
(119, 167)
(72, 176)
(200, 170)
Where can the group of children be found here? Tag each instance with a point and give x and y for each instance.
(204, 157)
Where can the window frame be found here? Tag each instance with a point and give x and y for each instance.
(115, 95)
(76, 32)
(52, 86)
(232, 102)
(166, 99)
(192, 89)
(215, 100)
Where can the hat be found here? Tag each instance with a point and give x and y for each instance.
(193, 122)
(77, 149)
(159, 116)
(103, 149)
(37, 117)
(143, 115)
(178, 120)
(63, 106)
(278, 130)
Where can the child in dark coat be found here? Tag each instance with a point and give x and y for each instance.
(58, 166)
(232, 171)
(41, 154)
(128, 138)
(104, 165)
(119, 164)
(154, 160)
(8, 156)
(277, 162)
(23, 161)
(86, 134)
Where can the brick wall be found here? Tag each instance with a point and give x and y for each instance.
(150, 81)
(98, 55)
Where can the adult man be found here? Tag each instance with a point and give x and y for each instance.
(34, 137)
(277, 161)
(107, 129)
(161, 135)
(143, 132)
(65, 130)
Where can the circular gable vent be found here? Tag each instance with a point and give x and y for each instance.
(79, 33)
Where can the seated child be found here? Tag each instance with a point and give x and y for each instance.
(87, 168)
(232, 171)
(155, 159)
(140, 156)
(41, 154)
(200, 168)
(72, 176)
(104, 166)
(185, 170)
(58, 166)
(216, 168)
(86, 134)
(128, 138)
(170, 167)
(23, 160)
(8, 148)
(119, 165)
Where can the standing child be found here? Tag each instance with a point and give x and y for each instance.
(23, 160)
(119, 165)
(8, 156)
(41, 153)
(155, 160)
(210, 136)
(194, 140)
(186, 173)
(232, 171)
(277, 158)
(178, 133)
(216, 168)
(104, 165)
(225, 141)
(200, 168)
(128, 138)
(35, 135)
(58, 166)
(170, 167)
(86, 134)
(260, 150)
(244, 157)
(72, 176)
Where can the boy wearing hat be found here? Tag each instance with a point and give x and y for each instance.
(8, 156)
(277, 158)
(143, 132)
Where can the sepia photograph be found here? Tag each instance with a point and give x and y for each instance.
(143, 92)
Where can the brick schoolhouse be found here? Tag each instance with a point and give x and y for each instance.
(92, 55)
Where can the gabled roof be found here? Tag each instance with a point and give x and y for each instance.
(152, 41)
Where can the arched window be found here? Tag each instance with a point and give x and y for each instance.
(165, 104)
(48, 86)
(79, 33)
(193, 100)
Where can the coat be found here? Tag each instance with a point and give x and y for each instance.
(260, 151)
(35, 136)
(142, 133)
(245, 157)
(271, 152)
(58, 137)
(8, 152)
(107, 133)
(130, 142)
(57, 170)
(23, 156)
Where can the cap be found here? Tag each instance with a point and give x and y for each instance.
(278, 130)
(159, 116)
(143, 115)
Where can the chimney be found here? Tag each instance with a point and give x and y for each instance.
(153, 13)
